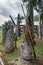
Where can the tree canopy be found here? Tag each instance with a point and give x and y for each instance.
(37, 5)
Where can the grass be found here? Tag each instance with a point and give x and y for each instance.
(12, 55)
(0, 33)
(18, 42)
(0, 41)
(0, 37)
(38, 49)
(1, 29)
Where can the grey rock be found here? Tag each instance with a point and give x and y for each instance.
(26, 49)
(9, 41)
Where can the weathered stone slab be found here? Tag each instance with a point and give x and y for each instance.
(18, 25)
(9, 41)
(26, 50)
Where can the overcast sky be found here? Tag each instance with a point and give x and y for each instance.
(10, 7)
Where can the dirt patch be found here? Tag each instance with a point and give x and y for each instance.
(17, 61)
(2, 51)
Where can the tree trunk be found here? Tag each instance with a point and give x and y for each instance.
(40, 31)
(29, 26)
(30, 13)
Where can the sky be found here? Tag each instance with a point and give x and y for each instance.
(10, 7)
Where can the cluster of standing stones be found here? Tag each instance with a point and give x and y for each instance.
(8, 38)
(8, 34)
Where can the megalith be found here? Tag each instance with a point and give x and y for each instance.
(9, 41)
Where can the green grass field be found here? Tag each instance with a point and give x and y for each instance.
(0, 33)
(12, 55)
(38, 49)
(0, 36)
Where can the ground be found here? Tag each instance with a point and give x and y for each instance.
(10, 57)
(18, 61)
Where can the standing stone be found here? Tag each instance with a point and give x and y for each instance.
(30, 14)
(12, 29)
(26, 49)
(18, 25)
(9, 41)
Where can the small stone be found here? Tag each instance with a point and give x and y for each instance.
(16, 59)
(1, 54)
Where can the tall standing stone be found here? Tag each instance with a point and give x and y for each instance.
(26, 50)
(30, 14)
(12, 29)
(26, 44)
(9, 41)
(18, 25)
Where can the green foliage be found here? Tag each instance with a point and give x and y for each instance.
(0, 41)
(11, 55)
(7, 23)
(22, 17)
(24, 0)
(0, 28)
(34, 2)
(39, 48)
(40, 7)
(41, 16)
(0, 37)
(36, 18)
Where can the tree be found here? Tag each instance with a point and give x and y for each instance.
(36, 18)
(38, 6)
(22, 17)
(29, 25)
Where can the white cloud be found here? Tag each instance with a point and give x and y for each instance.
(1, 1)
(12, 7)
(9, 7)
(3, 19)
(35, 12)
